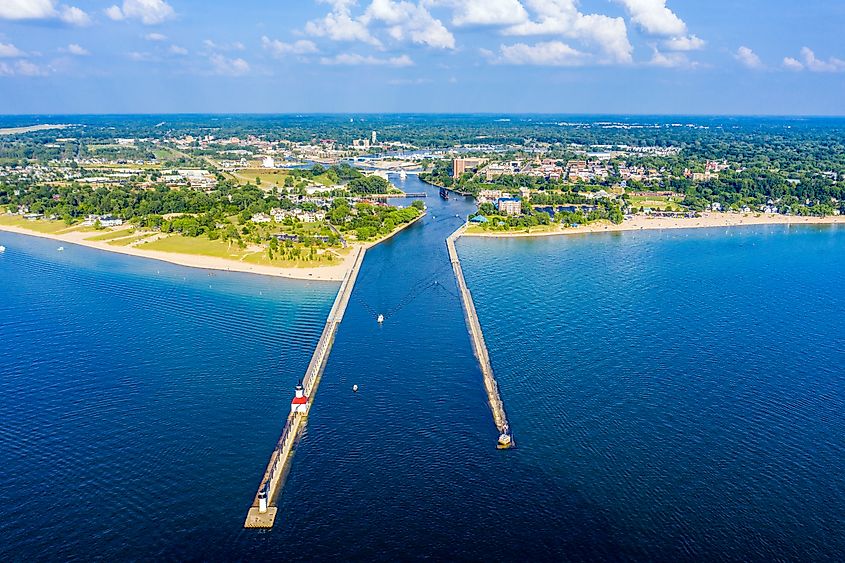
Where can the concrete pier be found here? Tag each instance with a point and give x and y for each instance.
(262, 513)
(479, 346)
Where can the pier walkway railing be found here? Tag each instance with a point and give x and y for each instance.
(262, 513)
(479, 346)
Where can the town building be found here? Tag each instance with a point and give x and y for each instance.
(461, 165)
(510, 206)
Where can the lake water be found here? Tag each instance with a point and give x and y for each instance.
(673, 395)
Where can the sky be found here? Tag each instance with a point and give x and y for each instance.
(724, 57)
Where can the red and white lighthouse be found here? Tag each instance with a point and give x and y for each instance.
(299, 404)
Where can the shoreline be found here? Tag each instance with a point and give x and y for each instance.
(707, 220)
(333, 273)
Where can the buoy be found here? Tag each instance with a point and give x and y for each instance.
(355, 388)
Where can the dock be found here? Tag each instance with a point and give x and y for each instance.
(416, 195)
(480, 347)
(262, 513)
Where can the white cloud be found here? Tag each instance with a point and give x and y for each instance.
(792, 64)
(114, 13)
(684, 43)
(279, 48)
(352, 59)
(7, 50)
(484, 12)
(155, 37)
(562, 17)
(211, 45)
(27, 68)
(339, 25)
(76, 49)
(816, 64)
(670, 60)
(409, 21)
(550, 53)
(177, 50)
(748, 58)
(149, 12)
(654, 17)
(229, 67)
(42, 10)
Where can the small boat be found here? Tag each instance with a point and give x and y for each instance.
(403, 175)
(505, 441)
(380, 319)
(2, 248)
(61, 249)
(444, 193)
(355, 388)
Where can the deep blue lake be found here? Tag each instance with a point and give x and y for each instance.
(674, 395)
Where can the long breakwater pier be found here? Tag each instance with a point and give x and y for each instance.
(262, 513)
(480, 347)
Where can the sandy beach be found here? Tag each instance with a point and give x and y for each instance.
(707, 220)
(333, 273)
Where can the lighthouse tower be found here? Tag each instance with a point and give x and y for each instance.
(299, 404)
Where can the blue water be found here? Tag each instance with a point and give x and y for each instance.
(686, 386)
(673, 395)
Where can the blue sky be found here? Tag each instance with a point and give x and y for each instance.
(556, 56)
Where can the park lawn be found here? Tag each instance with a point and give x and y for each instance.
(112, 235)
(126, 241)
(653, 202)
(39, 225)
(268, 176)
(201, 246)
(552, 228)
(261, 259)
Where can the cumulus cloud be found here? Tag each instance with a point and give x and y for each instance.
(339, 25)
(748, 58)
(155, 37)
(402, 20)
(483, 12)
(670, 60)
(809, 61)
(279, 48)
(352, 59)
(77, 50)
(228, 66)
(42, 10)
(149, 12)
(684, 43)
(177, 50)
(792, 64)
(549, 53)
(815, 64)
(22, 68)
(654, 17)
(409, 21)
(7, 50)
(562, 17)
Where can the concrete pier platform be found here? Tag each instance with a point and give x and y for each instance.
(479, 346)
(277, 467)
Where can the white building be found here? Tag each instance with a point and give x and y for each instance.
(268, 162)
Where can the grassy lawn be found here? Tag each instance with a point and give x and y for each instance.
(126, 241)
(653, 202)
(201, 246)
(554, 227)
(39, 226)
(112, 235)
(261, 259)
(268, 176)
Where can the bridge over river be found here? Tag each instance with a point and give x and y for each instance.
(417, 381)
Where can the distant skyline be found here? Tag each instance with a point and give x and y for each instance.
(752, 57)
